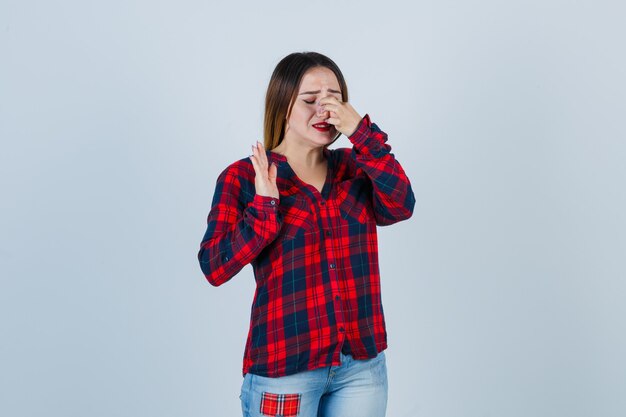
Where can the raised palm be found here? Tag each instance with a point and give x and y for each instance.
(265, 174)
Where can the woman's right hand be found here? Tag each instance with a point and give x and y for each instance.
(265, 179)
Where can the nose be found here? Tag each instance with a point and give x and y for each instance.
(321, 112)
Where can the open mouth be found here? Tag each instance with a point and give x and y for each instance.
(322, 127)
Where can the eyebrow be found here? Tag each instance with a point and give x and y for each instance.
(319, 91)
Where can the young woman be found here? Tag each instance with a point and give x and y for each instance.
(305, 217)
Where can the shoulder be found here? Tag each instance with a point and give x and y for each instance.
(339, 154)
(235, 183)
(342, 156)
(241, 171)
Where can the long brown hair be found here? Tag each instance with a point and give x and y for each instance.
(283, 89)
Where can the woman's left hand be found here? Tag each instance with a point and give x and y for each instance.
(342, 115)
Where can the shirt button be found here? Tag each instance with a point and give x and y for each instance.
(322, 203)
(226, 258)
(328, 233)
(332, 266)
(341, 329)
(337, 298)
(273, 202)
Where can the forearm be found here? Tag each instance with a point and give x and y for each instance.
(231, 243)
(393, 197)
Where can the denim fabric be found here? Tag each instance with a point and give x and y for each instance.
(356, 388)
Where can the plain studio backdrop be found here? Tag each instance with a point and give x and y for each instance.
(504, 294)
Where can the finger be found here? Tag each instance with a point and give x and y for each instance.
(262, 154)
(334, 116)
(255, 165)
(331, 107)
(255, 153)
(333, 121)
(329, 99)
(259, 154)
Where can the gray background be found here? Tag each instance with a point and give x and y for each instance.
(504, 293)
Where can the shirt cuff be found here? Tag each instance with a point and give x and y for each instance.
(361, 131)
(368, 139)
(264, 203)
(266, 216)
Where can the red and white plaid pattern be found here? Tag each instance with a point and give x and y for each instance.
(284, 405)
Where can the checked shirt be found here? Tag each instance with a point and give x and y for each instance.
(314, 255)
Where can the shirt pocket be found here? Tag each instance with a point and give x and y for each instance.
(297, 216)
(354, 197)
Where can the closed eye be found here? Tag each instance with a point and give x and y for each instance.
(309, 102)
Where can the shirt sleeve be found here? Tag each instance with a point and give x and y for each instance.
(236, 232)
(393, 196)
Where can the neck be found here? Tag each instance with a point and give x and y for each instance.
(302, 156)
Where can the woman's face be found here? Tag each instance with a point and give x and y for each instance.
(316, 83)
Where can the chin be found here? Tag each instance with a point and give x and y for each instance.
(329, 138)
(321, 138)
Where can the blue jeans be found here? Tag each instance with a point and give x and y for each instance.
(356, 388)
